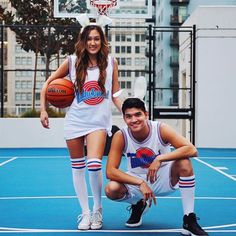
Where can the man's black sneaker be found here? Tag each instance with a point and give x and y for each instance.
(191, 227)
(137, 211)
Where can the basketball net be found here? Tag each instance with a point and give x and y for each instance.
(103, 5)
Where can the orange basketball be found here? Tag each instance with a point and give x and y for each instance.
(60, 92)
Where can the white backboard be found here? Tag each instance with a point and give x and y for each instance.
(118, 8)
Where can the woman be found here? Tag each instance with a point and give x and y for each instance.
(95, 75)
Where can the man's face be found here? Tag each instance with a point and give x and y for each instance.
(135, 119)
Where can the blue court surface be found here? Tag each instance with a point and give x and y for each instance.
(37, 197)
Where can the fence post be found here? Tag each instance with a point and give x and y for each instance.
(2, 71)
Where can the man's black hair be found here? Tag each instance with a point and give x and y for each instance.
(133, 103)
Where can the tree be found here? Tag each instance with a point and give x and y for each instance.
(37, 30)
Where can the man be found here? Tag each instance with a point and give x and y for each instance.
(153, 169)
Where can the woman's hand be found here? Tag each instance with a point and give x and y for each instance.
(44, 119)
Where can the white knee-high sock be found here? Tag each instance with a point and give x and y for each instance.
(78, 173)
(187, 191)
(95, 178)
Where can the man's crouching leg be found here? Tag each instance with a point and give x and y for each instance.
(115, 191)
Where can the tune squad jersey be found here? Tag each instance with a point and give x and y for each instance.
(91, 109)
(140, 155)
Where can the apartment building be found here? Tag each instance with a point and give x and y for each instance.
(173, 13)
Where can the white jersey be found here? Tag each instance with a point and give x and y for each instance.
(90, 110)
(141, 154)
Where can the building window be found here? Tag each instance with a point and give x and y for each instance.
(137, 49)
(117, 38)
(29, 84)
(122, 49)
(128, 38)
(137, 37)
(122, 84)
(23, 97)
(117, 48)
(122, 73)
(37, 96)
(129, 49)
(122, 61)
(143, 37)
(128, 85)
(137, 61)
(29, 96)
(24, 84)
(18, 49)
(128, 61)
(123, 38)
(17, 84)
(17, 96)
(17, 61)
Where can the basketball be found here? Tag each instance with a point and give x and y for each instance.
(60, 93)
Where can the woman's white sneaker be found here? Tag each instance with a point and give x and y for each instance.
(84, 221)
(96, 219)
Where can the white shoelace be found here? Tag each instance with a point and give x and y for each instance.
(97, 217)
(82, 217)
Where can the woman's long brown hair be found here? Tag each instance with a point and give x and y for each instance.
(83, 58)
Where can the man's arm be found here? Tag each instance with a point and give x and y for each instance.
(114, 173)
(114, 158)
(183, 148)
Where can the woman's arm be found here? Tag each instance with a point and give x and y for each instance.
(115, 86)
(61, 72)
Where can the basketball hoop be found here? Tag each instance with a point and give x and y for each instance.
(103, 5)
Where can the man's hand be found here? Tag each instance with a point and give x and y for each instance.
(148, 194)
(152, 171)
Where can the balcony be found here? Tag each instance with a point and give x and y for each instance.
(177, 19)
(174, 61)
(153, 3)
(179, 2)
(174, 102)
(147, 54)
(151, 20)
(174, 82)
(174, 40)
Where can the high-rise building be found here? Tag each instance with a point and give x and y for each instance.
(172, 13)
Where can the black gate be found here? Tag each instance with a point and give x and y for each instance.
(173, 110)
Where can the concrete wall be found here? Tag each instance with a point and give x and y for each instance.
(29, 133)
(215, 75)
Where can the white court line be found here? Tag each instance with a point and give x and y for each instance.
(216, 169)
(74, 197)
(5, 162)
(221, 168)
(218, 158)
(24, 230)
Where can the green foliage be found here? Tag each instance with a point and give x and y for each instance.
(51, 113)
(37, 30)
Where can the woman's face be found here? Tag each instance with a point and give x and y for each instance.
(93, 44)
